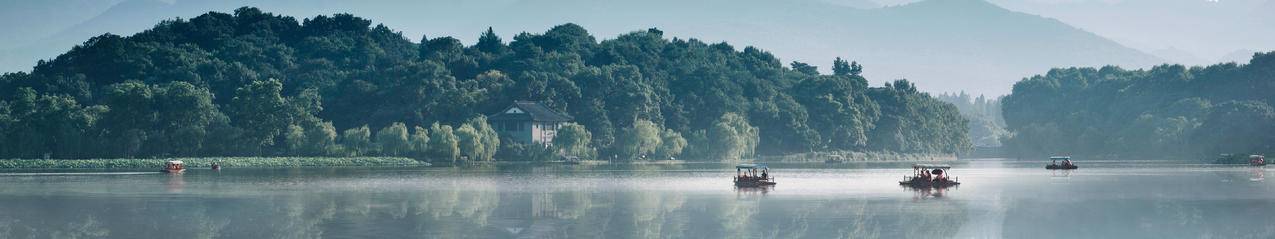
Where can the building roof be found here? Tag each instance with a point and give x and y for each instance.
(529, 111)
(929, 166)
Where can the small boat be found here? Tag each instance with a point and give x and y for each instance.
(174, 166)
(746, 175)
(1066, 163)
(1257, 160)
(930, 176)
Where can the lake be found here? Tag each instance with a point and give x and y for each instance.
(998, 199)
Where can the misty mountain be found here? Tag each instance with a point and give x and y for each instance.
(1205, 28)
(946, 45)
(24, 22)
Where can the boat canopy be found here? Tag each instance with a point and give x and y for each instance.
(1060, 157)
(175, 162)
(930, 166)
(751, 165)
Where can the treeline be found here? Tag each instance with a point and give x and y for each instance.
(253, 83)
(986, 125)
(1169, 110)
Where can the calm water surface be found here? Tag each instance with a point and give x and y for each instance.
(998, 199)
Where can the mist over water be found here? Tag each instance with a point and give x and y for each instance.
(1011, 199)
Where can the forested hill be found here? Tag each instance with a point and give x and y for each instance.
(254, 83)
(1169, 110)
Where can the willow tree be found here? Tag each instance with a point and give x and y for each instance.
(640, 140)
(443, 143)
(573, 139)
(732, 138)
(393, 139)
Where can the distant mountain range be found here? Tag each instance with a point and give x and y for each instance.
(944, 45)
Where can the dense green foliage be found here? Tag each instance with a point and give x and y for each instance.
(987, 126)
(1169, 110)
(252, 83)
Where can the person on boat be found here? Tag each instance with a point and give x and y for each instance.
(216, 166)
(764, 175)
(1067, 162)
(938, 175)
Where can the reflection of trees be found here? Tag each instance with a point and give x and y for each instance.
(88, 228)
(649, 212)
(1143, 218)
(733, 216)
(476, 207)
(456, 211)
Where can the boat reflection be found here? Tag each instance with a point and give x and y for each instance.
(755, 190)
(1060, 173)
(175, 183)
(924, 193)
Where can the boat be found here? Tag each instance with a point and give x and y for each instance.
(1257, 160)
(746, 175)
(1066, 163)
(174, 166)
(930, 176)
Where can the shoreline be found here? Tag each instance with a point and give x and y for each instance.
(226, 162)
(328, 162)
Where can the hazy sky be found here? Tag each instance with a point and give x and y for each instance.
(1207, 30)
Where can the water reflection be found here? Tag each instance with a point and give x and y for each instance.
(923, 193)
(621, 202)
(753, 191)
(175, 183)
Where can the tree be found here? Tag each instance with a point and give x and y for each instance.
(320, 138)
(471, 143)
(487, 137)
(1221, 133)
(443, 143)
(732, 138)
(261, 111)
(573, 139)
(489, 42)
(640, 141)
(295, 139)
(855, 68)
(420, 141)
(841, 67)
(131, 118)
(804, 68)
(671, 144)
(393, 139)
(357, 141)
(236, 85)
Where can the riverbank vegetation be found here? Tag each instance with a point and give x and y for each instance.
(251, 83)
(986, 125)
(229, 162)
(1169, 110)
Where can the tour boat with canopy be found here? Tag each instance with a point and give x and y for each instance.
(1257, 160)
(1066, 163)
(174, 166)
(753, 175)
(930, 176)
